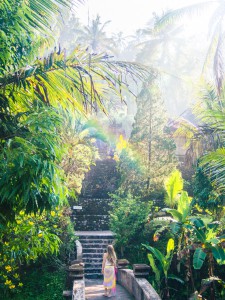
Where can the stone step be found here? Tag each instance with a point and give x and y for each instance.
(94, 275)
(97, 265)
(104, 238)
(92, 255)
(96, 241)
(93, 270)
(93, 250)
(92, 260)
(94, 245)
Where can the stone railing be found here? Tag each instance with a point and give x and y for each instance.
(76, 280)
(135, 283)
(78, 290)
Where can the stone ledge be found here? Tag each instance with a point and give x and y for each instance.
(78, 290)
(140, 288)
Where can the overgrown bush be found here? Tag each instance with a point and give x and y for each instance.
(128, 219)
(28, 240)
(40, 283)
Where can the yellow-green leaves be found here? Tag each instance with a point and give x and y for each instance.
(164, 260)
(122, 144)
(173, 186)
(170, 245)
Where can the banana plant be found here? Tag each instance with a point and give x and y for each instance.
(209, 247)
(181, 214)
(160, 264)
(180, 226)
(179, 223)
(209, 244)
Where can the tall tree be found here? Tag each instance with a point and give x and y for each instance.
(168, 51)
(151, 138)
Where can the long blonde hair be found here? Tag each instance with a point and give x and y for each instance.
(111, 255)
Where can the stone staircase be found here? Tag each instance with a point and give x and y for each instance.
(94, 244)
(94, 214)
(94, 201)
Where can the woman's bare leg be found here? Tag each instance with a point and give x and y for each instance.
(109, 292)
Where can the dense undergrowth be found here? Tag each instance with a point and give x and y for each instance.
(40, 283)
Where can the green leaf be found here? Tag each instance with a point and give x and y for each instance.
(176, 215)
(198, 258)
(173, 186)
(219, 255)
(197, 222)
(175, 227)
(154, 268)
(200, 235)
(170, 245)
(184, 205)
(174, 277)
(157, 254)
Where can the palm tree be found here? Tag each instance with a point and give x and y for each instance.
(167, 51)
(216, 33)
(158, 47)
(95, 37)
(70, 33)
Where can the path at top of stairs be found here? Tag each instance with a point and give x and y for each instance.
(94, 291)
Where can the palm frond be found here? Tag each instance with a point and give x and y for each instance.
(177, 14)
(218, 63)
(214, 166)
(79, 80)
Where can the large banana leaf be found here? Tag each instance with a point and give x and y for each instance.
(158, 255)
(176, 214)
(219, 255)
(198, 258)
(173, 186)
(184, 205)
(154, 268)
(164, 261)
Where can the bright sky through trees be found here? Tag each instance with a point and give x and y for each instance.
(129, 15)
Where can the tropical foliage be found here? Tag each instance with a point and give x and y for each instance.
(50, 100)
(130, 231)
(30, 237)
(198, 239)
(163, 262)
